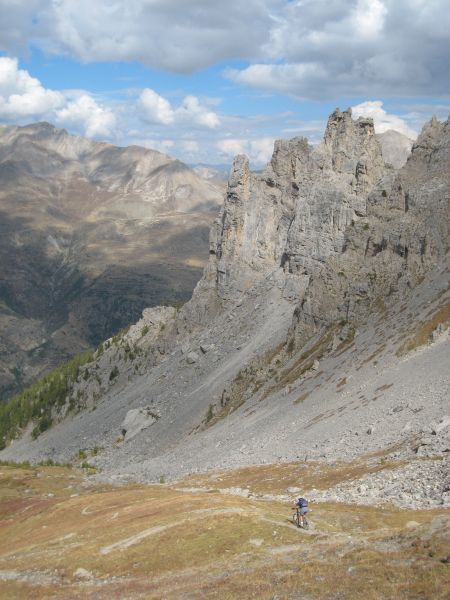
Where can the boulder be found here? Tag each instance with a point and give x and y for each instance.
(136, 420)
(444, 423)
(81, 573)
(205, 348)
(192, 358)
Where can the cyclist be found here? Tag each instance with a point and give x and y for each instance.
(302, 506)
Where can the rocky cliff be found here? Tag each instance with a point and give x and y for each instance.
(318, 330)
(90, 234)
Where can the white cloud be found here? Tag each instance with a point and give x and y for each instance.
(168, 34)
(382, 120)
(312, 49)
(191, 147)
(165, 146)
(232, 147)
(156, 109)
(259, 150)
(18, 18)
(368, 18)
(325, 50)
(85, 115)
(192, 111)
(22, 95)
(23, 99)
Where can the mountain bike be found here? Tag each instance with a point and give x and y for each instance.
(297, 520)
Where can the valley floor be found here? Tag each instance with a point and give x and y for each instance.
(220, 535)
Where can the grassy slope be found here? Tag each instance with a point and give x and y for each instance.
(166, 542)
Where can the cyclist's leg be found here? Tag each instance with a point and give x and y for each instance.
(303, 512)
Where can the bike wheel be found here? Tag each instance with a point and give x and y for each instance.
(305, 523)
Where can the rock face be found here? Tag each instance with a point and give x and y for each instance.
(90, 234)
(339, 226)
(324, 310)
(295, 214)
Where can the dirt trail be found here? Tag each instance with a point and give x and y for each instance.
(142, 535)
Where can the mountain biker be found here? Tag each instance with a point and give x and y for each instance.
(302, 505)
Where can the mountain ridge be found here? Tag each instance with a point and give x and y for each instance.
(91, 234)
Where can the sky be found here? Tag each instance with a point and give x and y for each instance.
(203, 80)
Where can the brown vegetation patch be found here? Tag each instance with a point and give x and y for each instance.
(276, 478)
(302, 397)
(425, 329)
(154, 542)
(372, 356)
(384, 387)
(301, 364)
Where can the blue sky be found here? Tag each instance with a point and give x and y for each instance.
(203, 81)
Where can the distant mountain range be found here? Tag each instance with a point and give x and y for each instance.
(90, 234)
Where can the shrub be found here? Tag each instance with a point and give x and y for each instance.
(114, 373)
(209, 413)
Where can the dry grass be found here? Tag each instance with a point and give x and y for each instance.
(384, 387)
(302, 363)
(302, 397)
(160, 542)
(276, 478)
(423, 333)
(341, 383)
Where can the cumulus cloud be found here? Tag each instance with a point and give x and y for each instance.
(22, 95)
(382, 120)
(312, 49)
(157, 109)
(23, 99)
(84, 114)
(323, 50)
(259, 150)
(18, 19)
(192, 111)
(169, 34)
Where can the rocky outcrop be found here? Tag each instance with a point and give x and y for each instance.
(342, 229)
